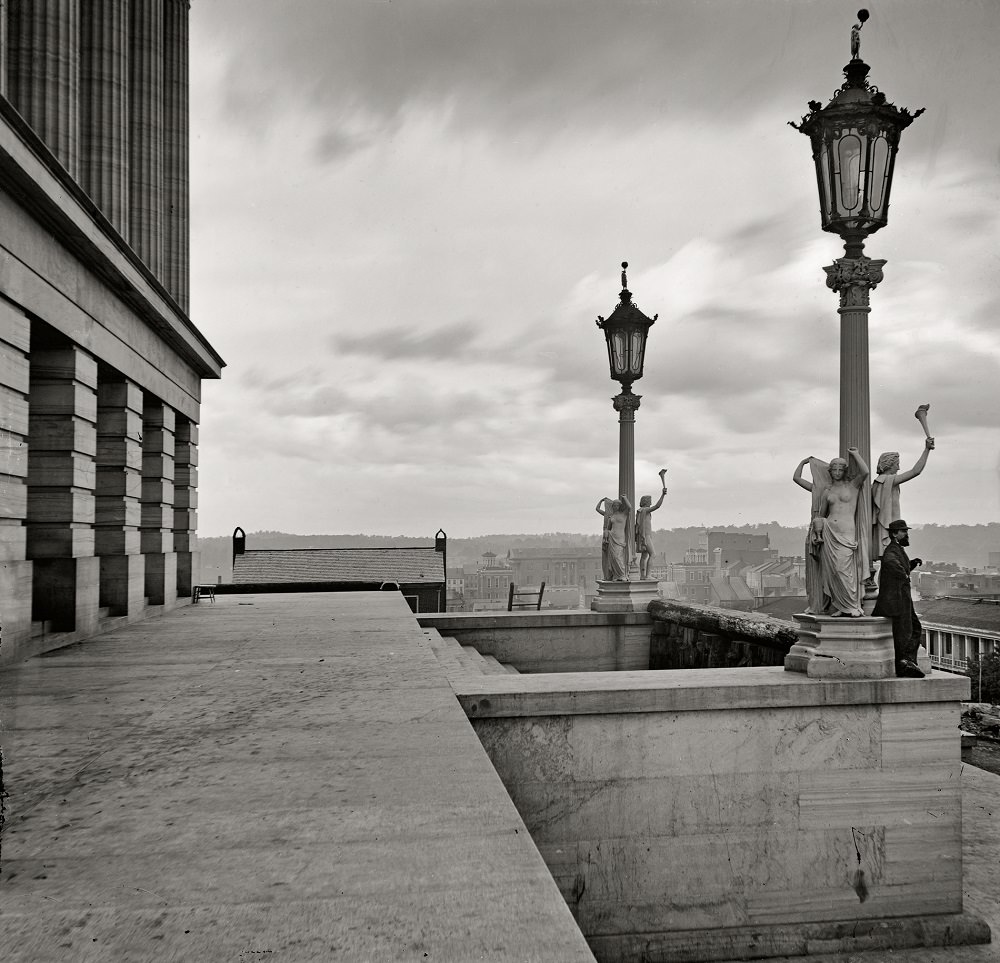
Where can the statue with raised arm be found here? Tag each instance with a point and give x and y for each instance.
(856, 35)
(885, 488)
(837, 543)
(644, 528)
(614, 539)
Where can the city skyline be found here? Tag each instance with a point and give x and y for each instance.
(405, 221)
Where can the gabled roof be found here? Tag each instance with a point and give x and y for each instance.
(403, 565)
(732, 588)
(982, 614)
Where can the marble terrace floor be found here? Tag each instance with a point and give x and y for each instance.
(285, 778)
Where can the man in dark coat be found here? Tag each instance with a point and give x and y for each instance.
(894, 600)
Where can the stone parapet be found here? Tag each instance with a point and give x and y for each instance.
(721, 814)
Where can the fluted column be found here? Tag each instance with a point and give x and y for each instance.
(145, 105)
(176, 244)
(3, 47)
(156, 531)
(104, 41)
(43, 52)
(853, 278)
(626, 404)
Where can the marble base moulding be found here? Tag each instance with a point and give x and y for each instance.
(843, 648)
(624, 596)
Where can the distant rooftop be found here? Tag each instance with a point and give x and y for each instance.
(361, 565)
(583, 551)
(972, 613)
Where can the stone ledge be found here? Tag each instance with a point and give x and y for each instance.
(809, 939)
(690, 690)
(446, 621)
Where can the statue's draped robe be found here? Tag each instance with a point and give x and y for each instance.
(836, 564)
(614, 552)
(881, 513)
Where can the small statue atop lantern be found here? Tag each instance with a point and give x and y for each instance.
(856, 35)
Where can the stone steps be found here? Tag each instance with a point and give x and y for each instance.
(463, 661)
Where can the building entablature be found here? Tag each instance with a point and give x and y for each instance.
(35, 179)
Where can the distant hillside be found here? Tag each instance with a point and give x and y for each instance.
(966, 545)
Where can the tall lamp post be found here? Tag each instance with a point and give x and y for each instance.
(626, 331)
(854, 143)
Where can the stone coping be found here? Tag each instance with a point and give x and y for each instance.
(540, 618)
(689, 690)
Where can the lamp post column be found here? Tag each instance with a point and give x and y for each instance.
(626, 404)
(853, 278)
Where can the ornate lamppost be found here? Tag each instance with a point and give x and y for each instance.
(854, 142)
(626, 330)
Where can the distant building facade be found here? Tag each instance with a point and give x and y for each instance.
(101, 369)
(558, 568)
(935, 584)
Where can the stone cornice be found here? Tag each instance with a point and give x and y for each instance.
(31, 174)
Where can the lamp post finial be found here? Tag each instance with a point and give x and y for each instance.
(856, 34)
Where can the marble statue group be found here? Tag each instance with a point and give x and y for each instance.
(848, 533)
(624, 538)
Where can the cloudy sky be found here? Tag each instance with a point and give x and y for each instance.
(407, 215)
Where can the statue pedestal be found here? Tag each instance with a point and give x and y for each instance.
(843, 648)
(624, 596)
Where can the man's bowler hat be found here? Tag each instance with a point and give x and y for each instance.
(898, 526)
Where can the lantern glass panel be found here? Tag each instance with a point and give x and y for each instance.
(619, 353)
(849, 173)
(880, 170)
(635, 355)
(825, 186)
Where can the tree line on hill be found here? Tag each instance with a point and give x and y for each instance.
(955, 545)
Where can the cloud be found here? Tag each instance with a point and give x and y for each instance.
(448, 342)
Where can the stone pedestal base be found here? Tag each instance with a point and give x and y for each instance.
(624, 596)
(843, 648)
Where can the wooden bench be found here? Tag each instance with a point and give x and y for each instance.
(203, 591)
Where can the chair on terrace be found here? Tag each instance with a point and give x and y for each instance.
(532, 597)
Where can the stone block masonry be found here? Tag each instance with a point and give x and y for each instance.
(718, 814)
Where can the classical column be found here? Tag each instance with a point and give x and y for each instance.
(186, 504)
(43, 54)
(119, 492)
(626, 404)
(104, 107)
(145, 108)
(853, 278)
(3, 47)
(62, 420)
(156, 530)
(176, 244)
(15, 570)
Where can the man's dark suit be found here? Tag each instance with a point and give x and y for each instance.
(895, 603)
